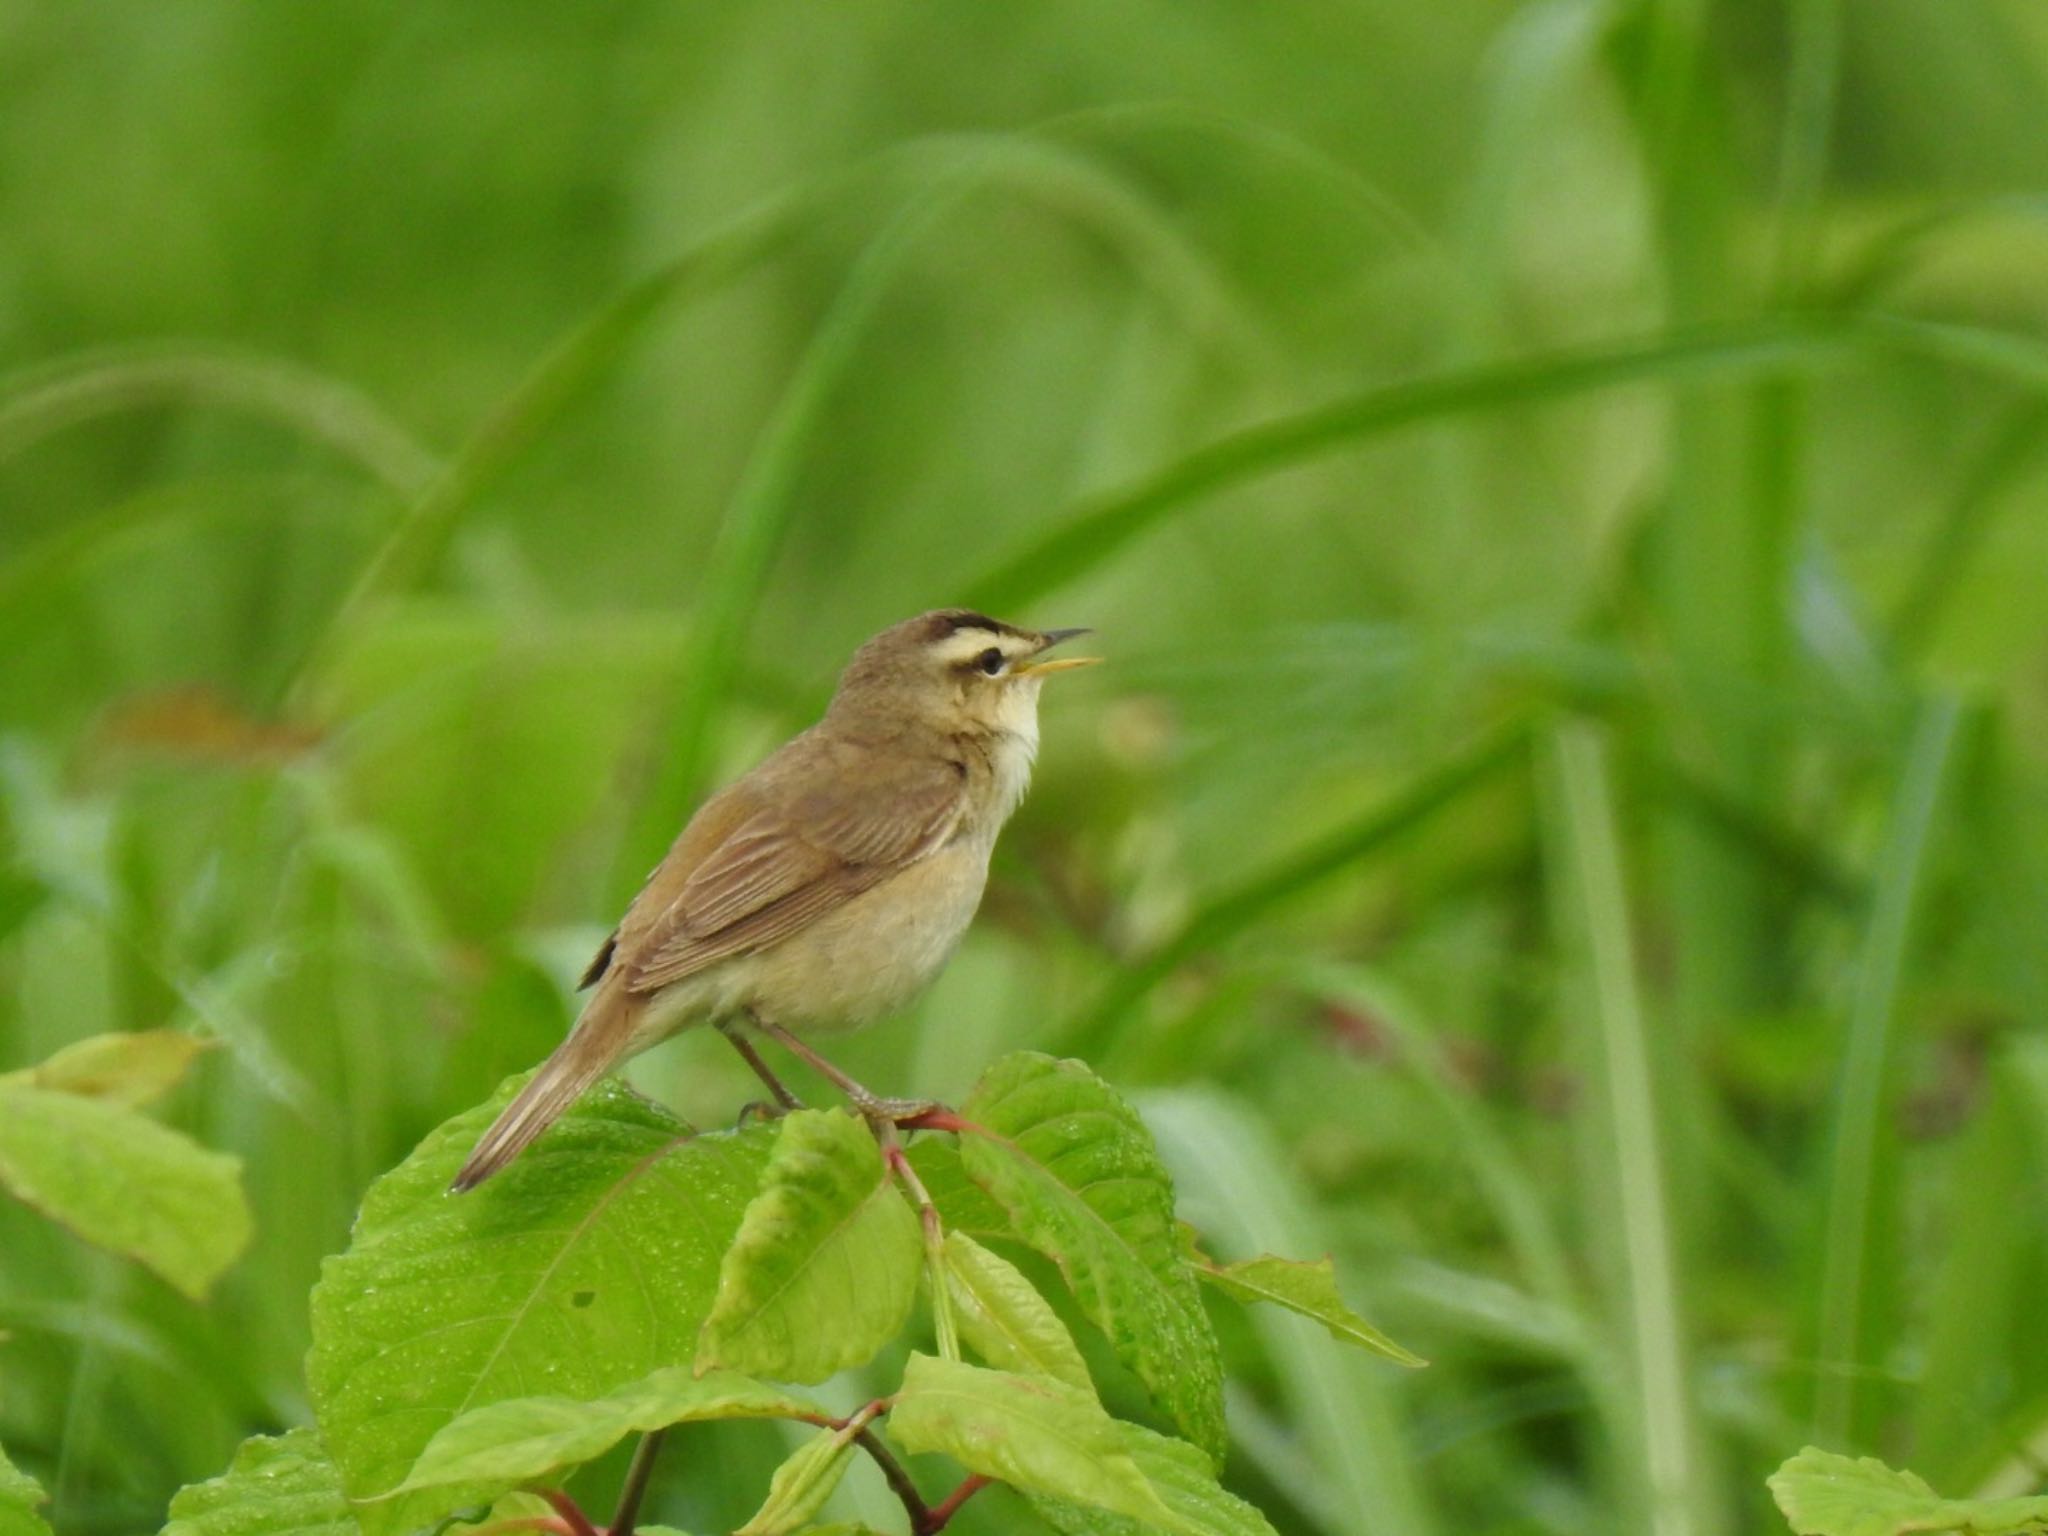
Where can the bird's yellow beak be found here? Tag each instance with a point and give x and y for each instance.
(1059, 664)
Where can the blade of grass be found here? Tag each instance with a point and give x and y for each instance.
(2014, 451)
(1239, 1187)
(1517, 1204)
(1291, 877)
(1102, 525)
(41, 401)
(1666, 1494)
(557, 382)
(1860, 1192)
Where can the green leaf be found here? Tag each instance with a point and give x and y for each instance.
(586, 1265)
(524, 1438)
(802, 1484)
(963, 1205)
(281, 1485)
(825, 1267)
(127, 1068)
(1186, 1484)
(1824, 1494)
(1076, 1169)
(1004, 1319)
(1034, 1433)
(1311, 1290)
(124, 1182)
(20, 1497)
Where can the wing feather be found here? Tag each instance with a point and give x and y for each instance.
(803, 845)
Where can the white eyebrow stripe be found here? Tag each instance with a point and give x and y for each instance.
(963, 645)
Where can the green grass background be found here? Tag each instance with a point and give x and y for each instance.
(1560, 485)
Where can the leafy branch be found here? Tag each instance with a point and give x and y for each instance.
(627, 1277)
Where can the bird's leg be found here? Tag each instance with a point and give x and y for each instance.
(872, 1106)
(785, 1101)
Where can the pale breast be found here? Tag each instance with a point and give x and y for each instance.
(871, 956)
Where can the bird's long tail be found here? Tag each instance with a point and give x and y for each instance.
(592, 1049)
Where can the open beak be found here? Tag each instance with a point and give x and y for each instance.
(1059, 663)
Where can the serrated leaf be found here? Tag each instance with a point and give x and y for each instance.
(524, 1438)
(277, 1485)
(963, 1205)
(21, 1496)
(802, 1484)
(825, 1267)
(1824, 1494)
(1004, 1319)
(123, 1182)
(1034, 1433)
(586, 1265)
(1076, 1170)
(129, 1068)
(1307, 1288)
(1186, 1483)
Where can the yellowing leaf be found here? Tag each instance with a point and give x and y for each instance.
(1034, 1433)
(1004, 1319)
(523, 1438)
(1181, 1475)
(802, 1484)
(127, 1068)
(20, 1498)
(1311, 1290)
(124, 1182)
(1824, 1494)
(825, 1266)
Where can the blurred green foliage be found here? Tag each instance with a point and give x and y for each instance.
(1561, 486)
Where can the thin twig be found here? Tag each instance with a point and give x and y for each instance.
(635, 1488)
(946, 1508)
(899, 1480)
(571, 1513)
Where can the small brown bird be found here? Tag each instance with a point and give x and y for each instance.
(828, 886)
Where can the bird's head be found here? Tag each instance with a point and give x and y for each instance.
(956, 670)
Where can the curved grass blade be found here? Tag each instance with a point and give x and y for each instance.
(1288, 879)
(1103, 525)
(41, 401)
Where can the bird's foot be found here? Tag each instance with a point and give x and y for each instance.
(763, 1110)
(904, 1113)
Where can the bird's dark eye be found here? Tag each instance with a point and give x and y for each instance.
(990, 661)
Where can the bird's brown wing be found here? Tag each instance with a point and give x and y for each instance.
(792, 843)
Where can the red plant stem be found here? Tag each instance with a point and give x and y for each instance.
(572, 1515)
(940, 1119)
(949, 1506)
